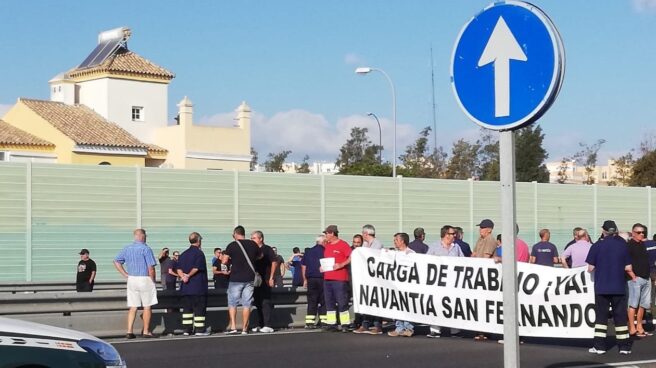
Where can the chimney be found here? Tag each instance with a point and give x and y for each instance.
(185, 112)
(243, 116)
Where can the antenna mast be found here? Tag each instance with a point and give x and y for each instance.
(434, 106)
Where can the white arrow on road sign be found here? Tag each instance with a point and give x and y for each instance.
(500, 49)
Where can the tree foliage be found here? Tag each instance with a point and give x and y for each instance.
(464, 160)
(644, 171)
(358, 156)
(275, 162)
(562, 170)
(304, 167)
(587, 157)
(623, 166)
(419, 163)
(530, 156)
(253, 159)
(488, 156)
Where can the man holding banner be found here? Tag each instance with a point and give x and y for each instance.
(446, 247)
(403, 328)
(337, 255)
(486, 247)
(609, 258)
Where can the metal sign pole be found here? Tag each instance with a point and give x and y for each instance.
(510, 329)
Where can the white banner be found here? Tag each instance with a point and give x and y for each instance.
(466, 293)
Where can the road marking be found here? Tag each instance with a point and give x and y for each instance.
(216, 335)
(633, 364)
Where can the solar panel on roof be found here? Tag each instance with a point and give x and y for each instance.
(108, 44)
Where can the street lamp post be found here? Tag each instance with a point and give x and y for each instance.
(367, 70)
(380, 137)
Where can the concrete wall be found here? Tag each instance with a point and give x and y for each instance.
(153, 97)
(95, 95)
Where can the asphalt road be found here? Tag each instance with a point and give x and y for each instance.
(317, 349)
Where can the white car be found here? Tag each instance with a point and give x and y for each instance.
(32, 345)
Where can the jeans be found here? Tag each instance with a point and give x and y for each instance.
(403, 325)
(240, 293)
(639, 293)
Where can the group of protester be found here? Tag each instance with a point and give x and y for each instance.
(623, 266)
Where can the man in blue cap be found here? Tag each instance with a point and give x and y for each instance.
(609, 258)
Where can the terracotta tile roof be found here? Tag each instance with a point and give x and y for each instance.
(125, 62)
(11, 135)
(156, 149)
(83, 125)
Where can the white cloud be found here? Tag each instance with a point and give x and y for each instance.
(353, 59)
(4, 108)
(304, 132)
(644, 6)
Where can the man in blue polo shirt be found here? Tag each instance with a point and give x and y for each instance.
(609, 258)
(313, 281)
(141, 291)
(544, 252)
(192, 270)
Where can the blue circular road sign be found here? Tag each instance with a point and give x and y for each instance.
(507, 65)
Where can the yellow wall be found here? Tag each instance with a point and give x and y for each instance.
(199, 164)
(27, 120)
(114, 160)
(173, 139)
(233, 141)
(27, 148)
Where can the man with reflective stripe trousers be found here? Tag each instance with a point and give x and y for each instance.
(336, 285)
(192, 270)
(609, 259)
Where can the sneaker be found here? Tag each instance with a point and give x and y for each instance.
(597, 351)
(394, 333)
(244, 332)
(310, 327)
(130, 336)
(185, 334)
(266, 329)
(434, 335)
(232, 332)
(255, 329)
(625, 352)
(202, 333)
(360, 330)
(375, 331)
(407, 333)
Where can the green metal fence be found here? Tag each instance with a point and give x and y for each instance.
(49, 212)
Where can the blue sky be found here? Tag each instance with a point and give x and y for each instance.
(294, 61)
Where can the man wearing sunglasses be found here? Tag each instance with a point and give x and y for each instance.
(639, 286)
(446, 247)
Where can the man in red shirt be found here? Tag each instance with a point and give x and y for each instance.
(336, 286)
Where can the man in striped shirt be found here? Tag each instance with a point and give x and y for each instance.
(140, 273)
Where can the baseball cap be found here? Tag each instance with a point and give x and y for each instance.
(332, 229)
(487, 223)
(609, 226)
(84, 251)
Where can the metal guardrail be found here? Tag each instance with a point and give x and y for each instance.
(33, 287)
(115, 300)
(102, 312)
